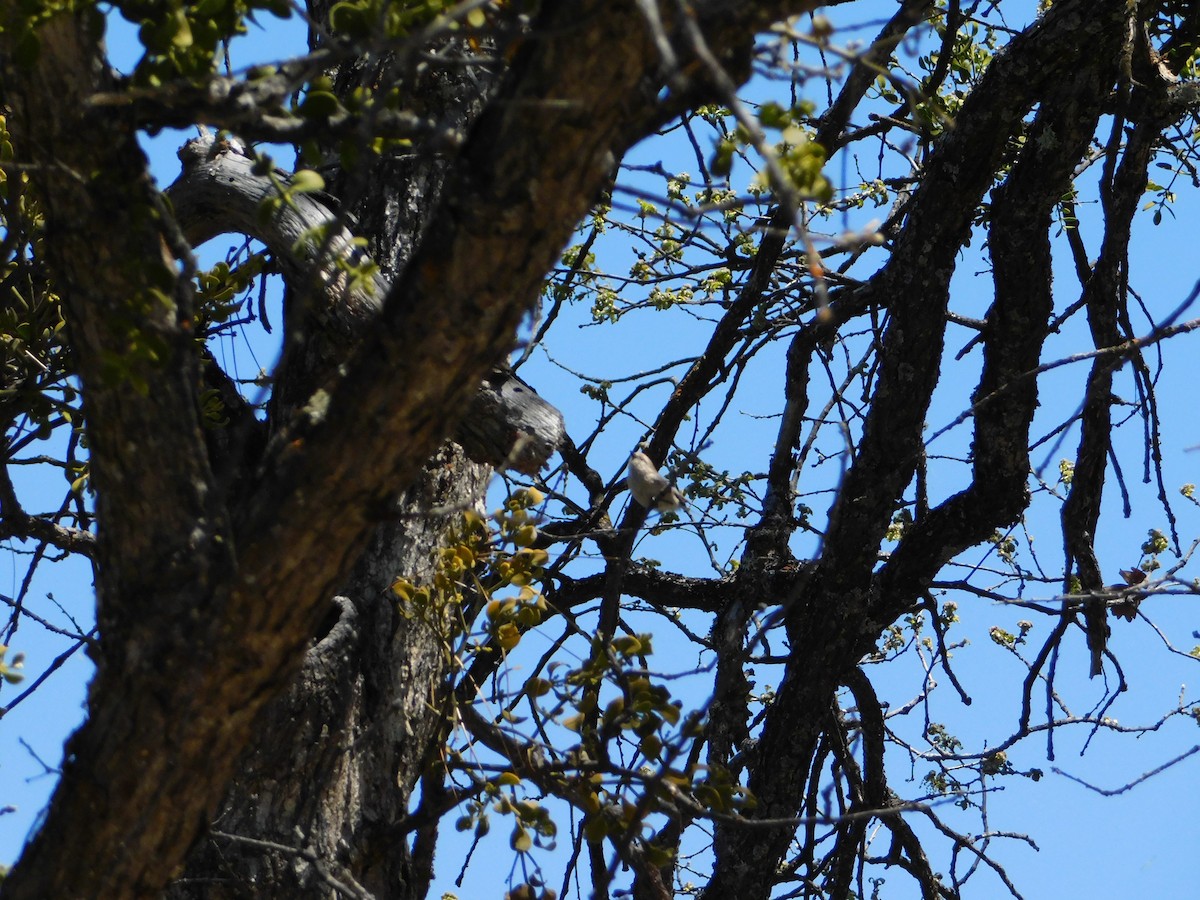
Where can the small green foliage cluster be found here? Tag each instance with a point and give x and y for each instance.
(909, 629)
(499, 794)
(579, 272)
(1066, 472)
(349, 258)
(182, 37)
(941, 739)
(669, 248)
(1006, 546)
(361, 19)
(597, 391)
(875, 192)
(604, 306)
(575, 258)
(532, 827)
(972, 51)
(642, 708)
(641, 271)
(941, 782)
(1006, 638)
(665, 298)
(800, 158)
(36, 364)
(304, 181)
(717, 281)
(1164, 197)
(893, 640)
(319, 102)
(996, 764)
(217, 290)
(947, 780)
(34, 360)
(902, 520)
(10, 670)
(475, 563)
(720, 793)
(1155, 544)
(721, 488)
(213, 412)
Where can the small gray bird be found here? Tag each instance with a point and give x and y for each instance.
(650, 488)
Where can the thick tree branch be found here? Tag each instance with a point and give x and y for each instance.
(15, 522)
(1017, 326)
(164, 546)
(664, 589)
(916, 278)
(836, 603)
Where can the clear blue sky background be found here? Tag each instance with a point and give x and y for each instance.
(1142, 842)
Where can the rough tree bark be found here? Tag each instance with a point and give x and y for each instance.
(326, 783)
(336, 754)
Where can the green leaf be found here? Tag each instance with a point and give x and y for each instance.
(521, 840)
(319, 105)
(351, 19)
(306, 181)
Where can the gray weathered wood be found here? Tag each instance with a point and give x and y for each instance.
(220, 191)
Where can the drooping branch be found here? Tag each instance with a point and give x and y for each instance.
(1105, 296)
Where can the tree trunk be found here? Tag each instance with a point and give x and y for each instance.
(328, 779)
(321, 793)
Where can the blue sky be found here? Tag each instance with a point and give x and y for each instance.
(1142, 842)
